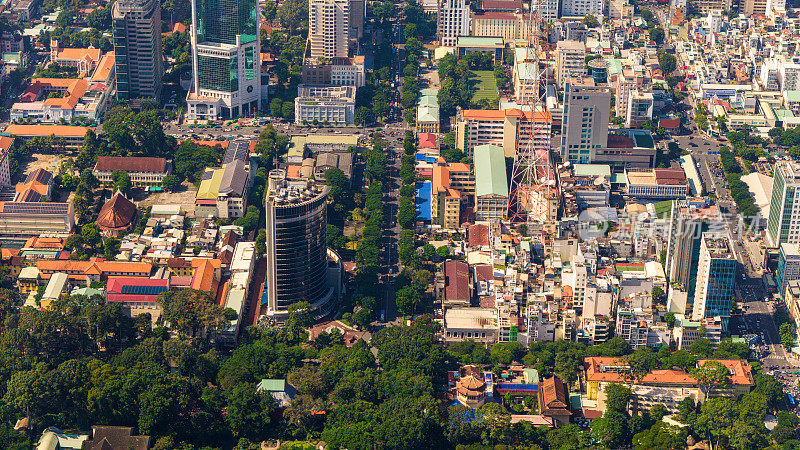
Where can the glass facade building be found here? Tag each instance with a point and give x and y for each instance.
(137, 48)
(716, 278)
(222, 20)
(297, 261)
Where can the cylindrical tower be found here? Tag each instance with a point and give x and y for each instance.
(296, 225)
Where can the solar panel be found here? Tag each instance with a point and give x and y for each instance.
(40, 175)
(31, 196)
(236, 150)
(35, 208)
(143, 290)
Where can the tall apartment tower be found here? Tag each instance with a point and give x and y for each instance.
(584, 127)
(329, 28)
(751, 7)
(452, 21)
(226, 58)
(358, 11)
(571, 60)
(296, 257)
(137, 48)
(716, 277)
(783, 224)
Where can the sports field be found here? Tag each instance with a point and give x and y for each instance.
(487, 86)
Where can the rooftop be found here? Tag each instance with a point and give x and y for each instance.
(490, 171)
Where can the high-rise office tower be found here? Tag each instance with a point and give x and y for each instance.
(137, 48)
(226, 58)
(584, 126)
(297, 260)
(716, 277)
(686, 226)
(358, 11)
(329, 28)
(452, 21)
(784, 207)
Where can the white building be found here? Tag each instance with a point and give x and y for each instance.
(328, 28)
(640, 108)
(320, 104)
(452, 21)
(571, 60)
(580, 8)
(657, 184)
(783, 224)
(788, 266)
(547, 9)
(584, 127)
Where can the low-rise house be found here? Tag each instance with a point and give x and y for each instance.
(143, 171)
(665, 386)
(137, 295)
(84, 272)
(118, 214)
(554, 400)
(71, 137)
(114, 438)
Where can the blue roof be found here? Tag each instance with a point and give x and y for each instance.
(423, 200)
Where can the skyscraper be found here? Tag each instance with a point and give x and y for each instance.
(226, 57)
(137, 48)
(716, 277)
(452, 21)
(784, 207)
(329, 28)
(584, 127)
(297, 259)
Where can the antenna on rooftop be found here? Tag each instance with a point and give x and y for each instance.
(532, 176)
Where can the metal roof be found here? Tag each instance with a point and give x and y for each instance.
(490, 171)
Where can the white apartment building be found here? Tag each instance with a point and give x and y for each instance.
(789, 76)
(320, 104)
(328, 28)
(452, 21)
(580, 8)
(570, 60)
(633, 325)
(640, 108)
(584, 127)
(547, 9)
(576, 277)
(783, 224)
(769, 75)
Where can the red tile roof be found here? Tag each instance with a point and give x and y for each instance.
(456, 281)
(130, 164)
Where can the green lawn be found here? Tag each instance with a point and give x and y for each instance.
(487, 86)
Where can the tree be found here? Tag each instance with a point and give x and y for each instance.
(658, 295)
(190, 310)
(641, 362)
(407, 299)
(170, 182)
(248, 412)
(287, 110)
(507, 352)
(122, 181)
(670, 319)
(275, 107)
(443, 252)
(111, 248)
(711, 375)
(657, 35)
(617, 398)
(292, 13)
(590, 21)
(667, 62)
(407, 214)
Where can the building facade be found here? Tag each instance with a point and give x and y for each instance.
(297, 260)
(783, 224)
(584, 127)
(570, 57)
(329, 28)
(334, 105)
(452, 21)
(716, 277)
(226, 57)
(137, 48)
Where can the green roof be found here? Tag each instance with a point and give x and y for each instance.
(475, 41)
(429, 91)
(593, 170)
(662, 208)
(792, 96)
(13, 57)
(783, 113)
(490, 171)
(619, 178)
(427, 113)
(526, 71)
(429, 100)
(271, 385)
